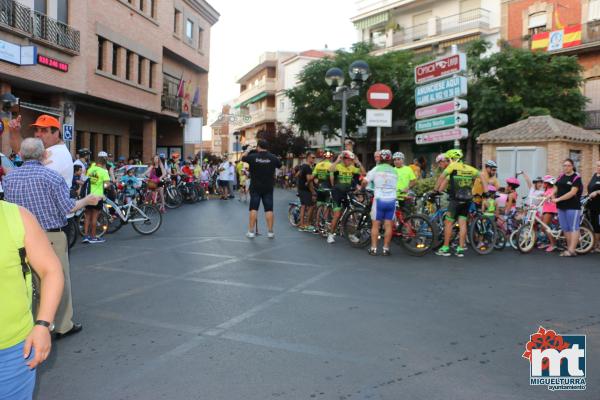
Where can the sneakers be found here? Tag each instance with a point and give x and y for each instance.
(372, 252)
(460, 252)
(250, 235)
(330, 238)
(386, 252)
(271, 235)
(86, 239)
(444, 251)
(96, 240)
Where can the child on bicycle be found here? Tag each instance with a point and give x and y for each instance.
(549, 212)
(488, 203)
(130, 184)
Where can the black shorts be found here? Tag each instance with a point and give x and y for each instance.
(338, 196)
(306, 198)
(595, 220)
(96, 207)
(458, 209)
(257, 196)
(223, 184)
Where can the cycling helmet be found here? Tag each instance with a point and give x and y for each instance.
(549, 179)
(83, 152)
(538, 179)
(492, 189)
(328, 154)
(491, 164)
(385, 155)
(162, 155)
(398, 155)
(441, 157)
(513, 182)
(454, 154)
(102, 154)
(348, 155)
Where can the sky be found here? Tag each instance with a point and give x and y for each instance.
(248, 28)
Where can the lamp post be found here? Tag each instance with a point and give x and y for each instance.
(237, 135)
(359, 73)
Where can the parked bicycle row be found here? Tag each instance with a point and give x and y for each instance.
(340, 200)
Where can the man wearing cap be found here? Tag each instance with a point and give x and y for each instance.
(47, 128)
(44, 193)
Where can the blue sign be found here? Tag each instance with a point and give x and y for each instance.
(67, 132)
(439, 91)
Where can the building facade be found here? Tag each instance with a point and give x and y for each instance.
(255, 109)
(575, 24)
(426, 26)
(119, 87)
(220, 132)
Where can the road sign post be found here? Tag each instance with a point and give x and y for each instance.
(379, 96)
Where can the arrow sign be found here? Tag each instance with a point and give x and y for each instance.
(439, 91)
(442, 136)
(443, 108)
(442, 122)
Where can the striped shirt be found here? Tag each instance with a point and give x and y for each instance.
(40, 190)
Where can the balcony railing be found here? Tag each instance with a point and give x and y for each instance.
(196, 110)
(170, 103)
(592, 119)
(14, 15)
(265, 85)
(477, 18)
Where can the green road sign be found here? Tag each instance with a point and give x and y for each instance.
(449, 121)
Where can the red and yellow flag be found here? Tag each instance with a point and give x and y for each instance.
(571, 36)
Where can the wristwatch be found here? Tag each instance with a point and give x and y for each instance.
(47, 324)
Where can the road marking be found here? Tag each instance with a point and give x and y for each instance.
(147, 322)
(233, 283)
(199, 253)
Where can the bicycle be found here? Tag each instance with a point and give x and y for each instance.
(527, 235)
(145, 219)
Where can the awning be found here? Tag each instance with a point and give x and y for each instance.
(253, 99)
(372, 20)
(463, 40)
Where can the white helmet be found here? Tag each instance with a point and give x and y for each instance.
(398, 155)
(441, 157)
(102, 154)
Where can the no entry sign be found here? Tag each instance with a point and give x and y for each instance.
(379, 95)
(440, 68)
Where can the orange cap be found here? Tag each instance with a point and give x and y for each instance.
(46, 121)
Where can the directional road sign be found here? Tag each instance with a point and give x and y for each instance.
(442, 90)
(440, 68)
(442, 136)
(448, 121)
(441, 109)
(379, 95)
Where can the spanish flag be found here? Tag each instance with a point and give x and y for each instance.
(571, 36)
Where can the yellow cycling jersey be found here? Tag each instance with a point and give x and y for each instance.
(343, 175)
(462, 178)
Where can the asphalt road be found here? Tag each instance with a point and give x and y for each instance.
(197, 311)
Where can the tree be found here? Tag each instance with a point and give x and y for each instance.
(284, 141)
(514, 84)
(312, 100)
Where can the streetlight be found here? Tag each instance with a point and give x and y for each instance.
(359, 73)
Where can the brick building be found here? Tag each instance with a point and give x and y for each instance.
(576, 23)
(111, 68)
(220, 132)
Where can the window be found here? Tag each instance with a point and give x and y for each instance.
(177, 22)
(468, 5)
(378, 38)
(101, 42)
(128, 62)
(62, 11)
(200, 38)
(140, 70)
(142, 8)
(282, 105)
(150, 75)
(170, 85)
(115, 60)
(40, 6)
(594, 10)
(537, 23)
(592, 92)
(189, 29)
(575, 155)
(151, 7)
(420, 21)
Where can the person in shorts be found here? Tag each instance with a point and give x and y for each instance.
(306, 193)
(97, 174)
(567, 196)
(384, 182)
(262, 166)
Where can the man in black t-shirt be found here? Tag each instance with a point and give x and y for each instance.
(262, 166)
(306, 192)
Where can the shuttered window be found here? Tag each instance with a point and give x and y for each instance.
(592, 91)
(468, 5)
(538, 20)
(594, 10)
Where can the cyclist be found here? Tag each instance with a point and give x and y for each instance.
(384, 180)
(488, 204)
(549, 211)
(306, 192)
(459, 178)
(321, 176)
(406, 177)
(97, 174)
(342, 173)
(490, 173)
(535, 186)
(512, 184)
(130, 184)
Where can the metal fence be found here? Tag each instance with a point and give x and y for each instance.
(170, 103)
(14, 15)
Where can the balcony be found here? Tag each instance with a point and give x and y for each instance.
(16, 17)
(268, 85)
(259, 116)
(592, 120)
(170, 103)
(476, 19)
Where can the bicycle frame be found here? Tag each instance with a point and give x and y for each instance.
(124, 211)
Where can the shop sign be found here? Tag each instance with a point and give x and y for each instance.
(53, 63)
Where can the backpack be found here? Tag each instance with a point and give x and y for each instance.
(460, 194)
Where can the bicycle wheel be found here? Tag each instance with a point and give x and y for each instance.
(101, 224)
(500, 241)
(514, 239)
(586, 240)
(114, 222)
(152, 221)
(483, 235)
(294, 214)
(357, 228)
(526, 238)
(417, 235)
(173, 198)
